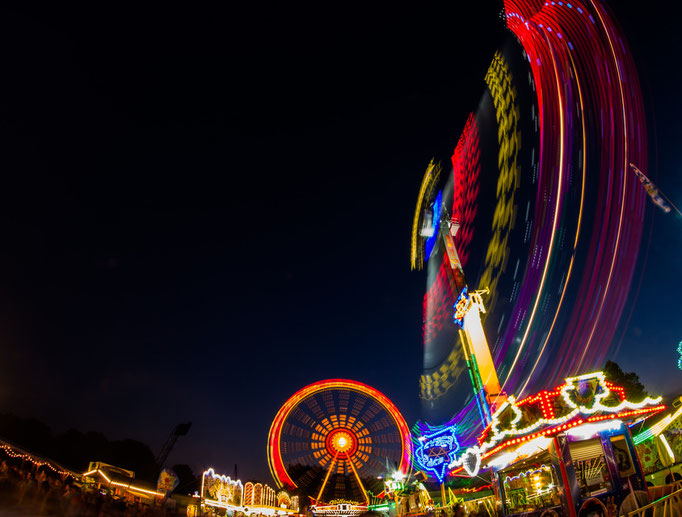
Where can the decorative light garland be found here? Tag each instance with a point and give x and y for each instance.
(24, 456)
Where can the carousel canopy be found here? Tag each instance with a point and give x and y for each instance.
(581, 400)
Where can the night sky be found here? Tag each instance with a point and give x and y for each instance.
(204, 210)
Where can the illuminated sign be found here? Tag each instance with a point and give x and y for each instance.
(339, 510)
(436, 451)
(461, 307)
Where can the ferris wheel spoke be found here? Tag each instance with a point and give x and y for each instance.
(358, 407)
(307, 416)
(292, 430)
(388, 436)
(297, 447)
(344, 397)
(328, 401)
(312, 404)
(370, 412)
(380, 424)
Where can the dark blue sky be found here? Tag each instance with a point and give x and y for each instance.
(203, 211)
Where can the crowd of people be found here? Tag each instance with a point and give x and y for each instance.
(25, 490)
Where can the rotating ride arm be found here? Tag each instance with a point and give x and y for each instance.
(468, 310)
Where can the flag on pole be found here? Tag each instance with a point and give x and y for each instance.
(652, 190)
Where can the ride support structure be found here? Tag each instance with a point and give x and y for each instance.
(468, 310)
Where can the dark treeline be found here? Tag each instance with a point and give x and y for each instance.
(634, 389)
(75, 449)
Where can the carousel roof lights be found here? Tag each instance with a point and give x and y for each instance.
(585, 396)
(223, 478)
(598, 406)
(588, 430)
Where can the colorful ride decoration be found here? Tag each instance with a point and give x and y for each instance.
(580, 401)
(549, 147)
(434, 449)
(221, 491)
(167, 481)
(561, 449)
(333, 438)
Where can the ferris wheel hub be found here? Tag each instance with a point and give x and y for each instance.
(342, 441)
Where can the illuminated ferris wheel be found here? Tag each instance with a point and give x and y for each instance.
(334, 437)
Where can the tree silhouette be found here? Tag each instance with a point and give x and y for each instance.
(634, 389)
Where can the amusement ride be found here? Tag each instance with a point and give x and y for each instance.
(333, 439)
(529, 243)
(521, 300)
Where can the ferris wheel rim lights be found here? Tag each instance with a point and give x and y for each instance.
(274, 453)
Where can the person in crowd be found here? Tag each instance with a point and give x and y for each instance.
(26, 487)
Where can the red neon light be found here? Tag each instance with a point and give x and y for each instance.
(466, 168)
(554, 430)
(473, 490)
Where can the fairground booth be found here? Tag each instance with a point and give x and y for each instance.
(221, 495)
(659, 446)
(568, 450)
